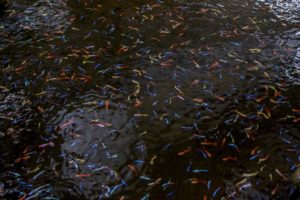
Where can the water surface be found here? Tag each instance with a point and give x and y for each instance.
(149, 100)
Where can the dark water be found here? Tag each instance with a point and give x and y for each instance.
(149, 99)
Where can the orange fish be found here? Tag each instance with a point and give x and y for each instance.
(83, 175)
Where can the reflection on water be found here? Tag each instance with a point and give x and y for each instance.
(41, 15)
(297, 60)
(98, 145)
(14, 110)
(149, 100)
(288, 10)
(31, 21)
(288, 48)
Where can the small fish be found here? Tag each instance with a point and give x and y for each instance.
(140, 115)
(106, 105)
(156, 182)
(229, 158)
(133, 169)
(280, 174)
(189, 149)
(219, 98)
(245, 186)
(216, 192)
(146, 178)
(241, 182)
(152, 160)
(240, 114)
(102, 124)
(196, 181)
(196, 64)
(250, 174)
(198, 100)
(200, 171)
(215, 65)
(51, 144)
(83, 175)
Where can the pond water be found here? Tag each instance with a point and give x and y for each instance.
(149, 99)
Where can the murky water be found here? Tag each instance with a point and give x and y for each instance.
(149, 100)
